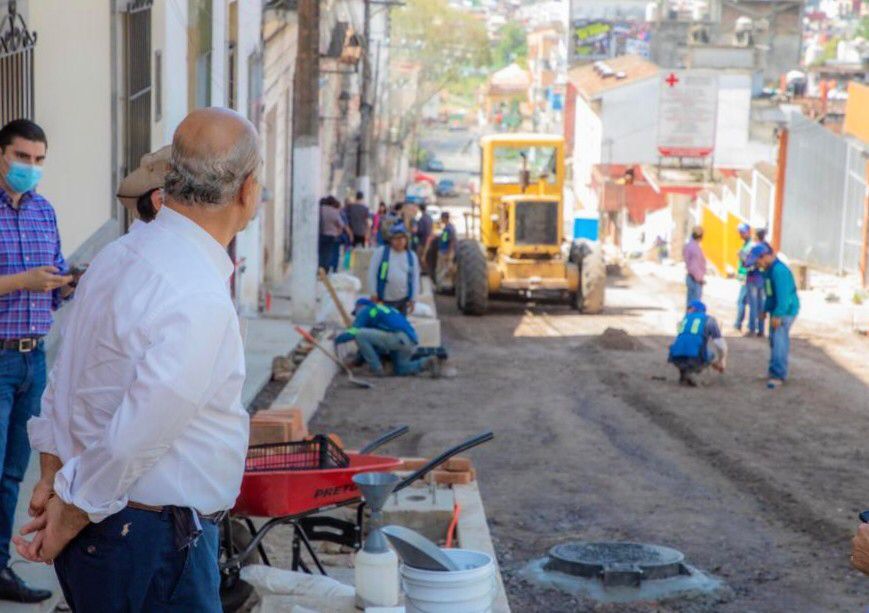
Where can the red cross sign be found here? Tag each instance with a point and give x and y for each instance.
(671, 80)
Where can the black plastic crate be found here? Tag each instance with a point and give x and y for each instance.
(318, 453)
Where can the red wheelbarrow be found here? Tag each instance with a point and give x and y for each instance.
(280, 483)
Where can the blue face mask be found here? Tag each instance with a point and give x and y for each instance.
(23, 177)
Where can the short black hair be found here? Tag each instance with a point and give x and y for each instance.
(422, 207)
(445, 215)
(359, 195)
(144, 206)
(21, 128)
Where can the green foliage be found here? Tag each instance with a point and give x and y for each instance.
(512, 46)
(829, 51)
(863, 28)
(444, 40)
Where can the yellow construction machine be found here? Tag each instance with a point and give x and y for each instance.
(517, 245)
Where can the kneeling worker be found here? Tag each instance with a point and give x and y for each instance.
(698, 345)
(381, 330)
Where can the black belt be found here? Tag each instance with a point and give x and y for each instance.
(22, 345)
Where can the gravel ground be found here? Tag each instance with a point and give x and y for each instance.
(596, 441)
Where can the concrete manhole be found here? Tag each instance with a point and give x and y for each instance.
(619, 572)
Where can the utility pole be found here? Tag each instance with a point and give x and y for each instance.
(363, 176)
(306, 163)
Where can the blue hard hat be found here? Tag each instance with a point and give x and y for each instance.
(743, 228)
(757, 252)
(362, 303)
(697, 306)
(397, 229)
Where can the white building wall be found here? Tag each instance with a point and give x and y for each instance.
(169, 21)
(587, 144)
(630, 123)
(73, 81)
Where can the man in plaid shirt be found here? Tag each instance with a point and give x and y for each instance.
(34, 280)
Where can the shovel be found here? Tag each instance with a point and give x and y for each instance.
(357, 382)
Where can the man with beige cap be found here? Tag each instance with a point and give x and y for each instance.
(141, 191)
(143, 436)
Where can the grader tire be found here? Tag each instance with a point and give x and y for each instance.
(472, 284)
(592, 277)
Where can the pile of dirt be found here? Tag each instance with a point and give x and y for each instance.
(617, 339)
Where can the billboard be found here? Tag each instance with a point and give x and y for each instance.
(592, 40)
(687, 113)
(601, 39)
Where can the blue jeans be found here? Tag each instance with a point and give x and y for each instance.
(373, 343)
(751, 296)
(22, 381)
(329, 249)
(129, 562)
(695, 290)
(780, 345)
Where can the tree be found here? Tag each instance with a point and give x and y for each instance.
(443, 39)
(512, 45)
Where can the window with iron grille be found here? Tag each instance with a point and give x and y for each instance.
(137, 81)
(16, 66)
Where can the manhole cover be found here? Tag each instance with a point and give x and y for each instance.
(619, 572)
(617, 563)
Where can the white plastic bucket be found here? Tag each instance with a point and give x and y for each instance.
(470, 590)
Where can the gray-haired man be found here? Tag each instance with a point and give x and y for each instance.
(142, 434)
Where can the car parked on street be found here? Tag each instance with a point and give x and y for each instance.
(446, 188)
(434, 165)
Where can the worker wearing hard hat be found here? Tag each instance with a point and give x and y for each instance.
(699, 344)
(393, 275)
(141, 191)
(782, 306)
(751, 290)
(380, 330)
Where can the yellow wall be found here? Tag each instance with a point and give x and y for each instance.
(857, 111)
(721, 241)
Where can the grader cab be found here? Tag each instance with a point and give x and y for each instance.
(518, 245)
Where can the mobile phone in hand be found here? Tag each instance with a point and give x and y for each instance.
(864, 517)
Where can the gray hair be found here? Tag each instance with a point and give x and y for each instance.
(210, 178)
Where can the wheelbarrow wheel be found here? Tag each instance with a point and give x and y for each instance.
(233, 591)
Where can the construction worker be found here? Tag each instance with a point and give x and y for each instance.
(699, 344)
(695, 266)
(447, 240)
(782, 306)
(381, 330)
(751, 290)
(393, 274)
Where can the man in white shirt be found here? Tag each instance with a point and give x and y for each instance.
(142, 436)
(393, 274)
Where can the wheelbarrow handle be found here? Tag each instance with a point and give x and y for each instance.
(484, 437)
(382, 440)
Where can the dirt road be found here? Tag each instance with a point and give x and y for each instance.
(595, 440)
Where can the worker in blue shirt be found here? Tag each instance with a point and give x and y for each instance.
(782, 306)
(745, 300)
(381, 330)
(699, 344)
(446, 241)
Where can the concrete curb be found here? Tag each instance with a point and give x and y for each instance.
(308, 386)
(473, 533)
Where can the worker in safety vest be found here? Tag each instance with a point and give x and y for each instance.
(751, 290)
(393, 274)
(699, 344)
(782, 306)
(446, 242)
(380, 330)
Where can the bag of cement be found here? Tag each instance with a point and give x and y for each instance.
(421, 309)
(345, 282)
(284, 590)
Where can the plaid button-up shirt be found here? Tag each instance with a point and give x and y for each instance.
(28, 239)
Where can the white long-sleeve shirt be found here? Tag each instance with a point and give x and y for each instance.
(143, 403)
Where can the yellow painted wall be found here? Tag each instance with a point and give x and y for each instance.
(857, 111)
(721, 242)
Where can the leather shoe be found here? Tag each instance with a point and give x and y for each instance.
(13, 588)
